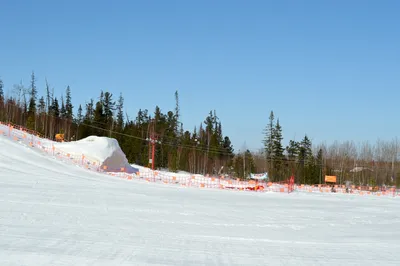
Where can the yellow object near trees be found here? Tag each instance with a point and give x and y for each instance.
(60, 137)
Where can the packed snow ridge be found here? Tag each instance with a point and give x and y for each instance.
(102, 149)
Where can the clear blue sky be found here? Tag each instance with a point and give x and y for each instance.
(330, 69)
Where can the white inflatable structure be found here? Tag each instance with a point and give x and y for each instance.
(263, 176)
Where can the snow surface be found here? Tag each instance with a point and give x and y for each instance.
(53, 213)
(102, 149)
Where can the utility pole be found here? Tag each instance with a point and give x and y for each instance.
(153, 140)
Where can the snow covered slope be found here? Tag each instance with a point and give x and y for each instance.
(53, 213)
(105, 152)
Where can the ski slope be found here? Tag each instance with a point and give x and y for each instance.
(53, 213)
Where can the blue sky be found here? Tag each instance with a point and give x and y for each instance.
(329, 69)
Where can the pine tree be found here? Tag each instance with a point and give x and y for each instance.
(68, 116)
(79, 116)
(2, 117)
(319, 162)
(31, 123)
(228, 152)
(33, 95)
(63, 111)
(78, 121)
(42, 113)
(243, 165)
(227, 145)
(108, 109)
(208, 135)
(56, 115)
(238, 166)
(99, 119)
(292, 150)
(56, 108)
(249, 163)
(177, 112)
(120, 113)
(68, 104)
(89, 115)
(1, 91)
(305, 159)
(49, 120)
(269, 140)
(277, 149)
(305, 151)
(86, 130)
(178, 132)
(42, 105)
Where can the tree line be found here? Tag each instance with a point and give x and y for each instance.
(363, 164)
(204, 150)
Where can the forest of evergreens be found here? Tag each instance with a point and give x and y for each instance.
(204, 149)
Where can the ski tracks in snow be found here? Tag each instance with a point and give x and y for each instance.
(55, 214)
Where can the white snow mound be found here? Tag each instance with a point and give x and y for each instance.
(102, 149)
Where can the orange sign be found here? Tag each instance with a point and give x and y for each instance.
(330, 178)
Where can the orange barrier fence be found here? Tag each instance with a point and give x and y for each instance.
(204, 182)
(358, 190)
(38, 142)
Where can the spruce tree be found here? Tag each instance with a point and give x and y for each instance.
(120, 113)
(2, 117)
(292, 150)
(31, 123)
(249, 163)
(268, 141)
(305, 159)
(55, 116)
(42, 113)
(1, 91)
(177, 112)
(89, 115)
(56, 108)
(78, 121)
(33, 95)
(68, 104)
(319, 164)
(68, 115)
(108, 108)
(244, 164)
(277, 149)
(63, 111)
(79, 116)
(227, 145)
(42, 105)
(305, 151)
(85, 128)
(99, 119)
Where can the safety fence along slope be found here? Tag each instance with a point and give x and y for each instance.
(38, 142)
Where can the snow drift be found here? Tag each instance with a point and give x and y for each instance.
(102, 149)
